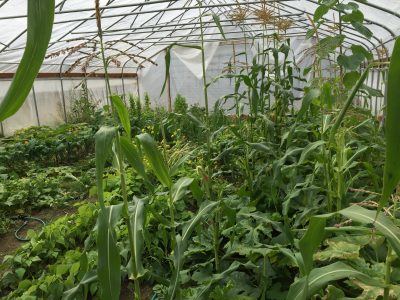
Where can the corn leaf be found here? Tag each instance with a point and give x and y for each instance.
(180, 187)
(40, 26)
(137, 220)
(123, 114)
(320, 277)
(134, 158)
(182, 243)
(347, 104)
(310, 242)
(382, 223)
(178, 263)
(309, 149)
(156, 159)
(103, 140)
(217, 21)
(88, 278)
(391, 175)
(308, 98)
(109, 260)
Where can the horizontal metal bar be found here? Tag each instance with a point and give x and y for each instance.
(182, 24)
(205, 34)
(158, 10)
(90, 9)
(74, 75)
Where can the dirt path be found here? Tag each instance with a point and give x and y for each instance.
(8, 242)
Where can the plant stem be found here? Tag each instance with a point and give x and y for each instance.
(264, 277)
(172, 218)
(217, 221)
(205, 86)
(122, 173)
(388, 269)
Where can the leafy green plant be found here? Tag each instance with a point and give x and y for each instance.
(180, 105)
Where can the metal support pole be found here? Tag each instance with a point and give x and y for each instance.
(168, 83)
(138, 82)
(2, 129)
(35, 103)
(63, 100)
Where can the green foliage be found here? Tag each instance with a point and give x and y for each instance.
(46, 146)
(147, 102)
(180, 105)
(84, 108)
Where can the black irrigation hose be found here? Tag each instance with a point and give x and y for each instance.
(26, 220)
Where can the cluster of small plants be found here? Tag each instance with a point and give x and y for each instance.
(46, 146)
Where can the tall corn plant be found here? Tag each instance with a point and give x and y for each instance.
(313, 279)
(108, 139)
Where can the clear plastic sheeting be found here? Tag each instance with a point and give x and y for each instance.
(45, 106)
(136, 34)
(142, 28)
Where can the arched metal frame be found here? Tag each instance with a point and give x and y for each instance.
(177, 24)
(153, 25)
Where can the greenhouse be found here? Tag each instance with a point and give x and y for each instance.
(187, 149)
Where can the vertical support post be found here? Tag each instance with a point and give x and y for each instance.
(123, 87)
(63, 99)
(372, 70)
(378, 81)
(2, 129)
(35, 103)
(168, 83)
(138, 84)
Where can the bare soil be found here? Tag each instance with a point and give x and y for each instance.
(9, 244)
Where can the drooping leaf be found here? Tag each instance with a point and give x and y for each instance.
(321, 277)
(88, 278)
(391, 175)
(347, 104)
(311, 241)
(182, 244)
(180, 187)
(40, 26)
(309, 149)
(123, 114)
(134, 158)
(109, 260)
(103, 140)
(178, 263)
(137, 220)
(202, 295)
(217, 21)
(382, 223)
(308, 98)
(157, 162)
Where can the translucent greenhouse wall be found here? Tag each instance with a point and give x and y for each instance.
(185, 79)
(46, 105)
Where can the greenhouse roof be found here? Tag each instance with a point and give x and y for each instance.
(135, 31)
